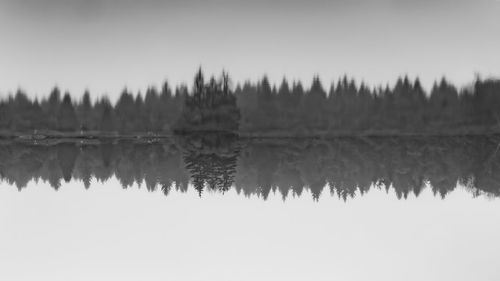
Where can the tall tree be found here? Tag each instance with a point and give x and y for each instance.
(66, 115)
(125, 112)
(314, 105)
(107, 118)
(52, 107)
(85, 112)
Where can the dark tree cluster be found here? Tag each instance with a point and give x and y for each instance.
(351, 108)
(345, 167)
(211, 107)
(347, 108)
(156, 111)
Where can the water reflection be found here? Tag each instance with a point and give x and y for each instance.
(344, 166)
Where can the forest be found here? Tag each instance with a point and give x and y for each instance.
(346, 108)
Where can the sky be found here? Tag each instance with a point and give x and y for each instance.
(107, 45)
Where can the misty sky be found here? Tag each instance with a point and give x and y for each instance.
(105, 45)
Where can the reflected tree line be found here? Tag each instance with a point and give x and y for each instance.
(343, 167)
(289, 109)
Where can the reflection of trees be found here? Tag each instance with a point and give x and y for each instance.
(211, 160)
(347, 166)
(352, 166)
(66, 157)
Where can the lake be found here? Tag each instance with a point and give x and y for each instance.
(226, 208)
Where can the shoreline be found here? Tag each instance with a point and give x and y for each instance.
(150, 137)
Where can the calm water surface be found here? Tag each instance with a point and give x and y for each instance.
(236, 210)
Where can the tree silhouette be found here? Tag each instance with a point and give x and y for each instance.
(125, 112)
(84, 112)
(313, 106)
(263, 109)
(52, 108)
(211, 107)
(107, 123)
(66, 116)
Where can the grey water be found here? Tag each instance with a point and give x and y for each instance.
(224, 208)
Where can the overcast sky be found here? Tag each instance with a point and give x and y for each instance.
(108, 44)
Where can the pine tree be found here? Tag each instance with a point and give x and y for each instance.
(66, 116)
(85, 112)
(52, 108)
(107, 119)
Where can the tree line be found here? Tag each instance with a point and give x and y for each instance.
(154, 112)
(350, 108)
(347, 107)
